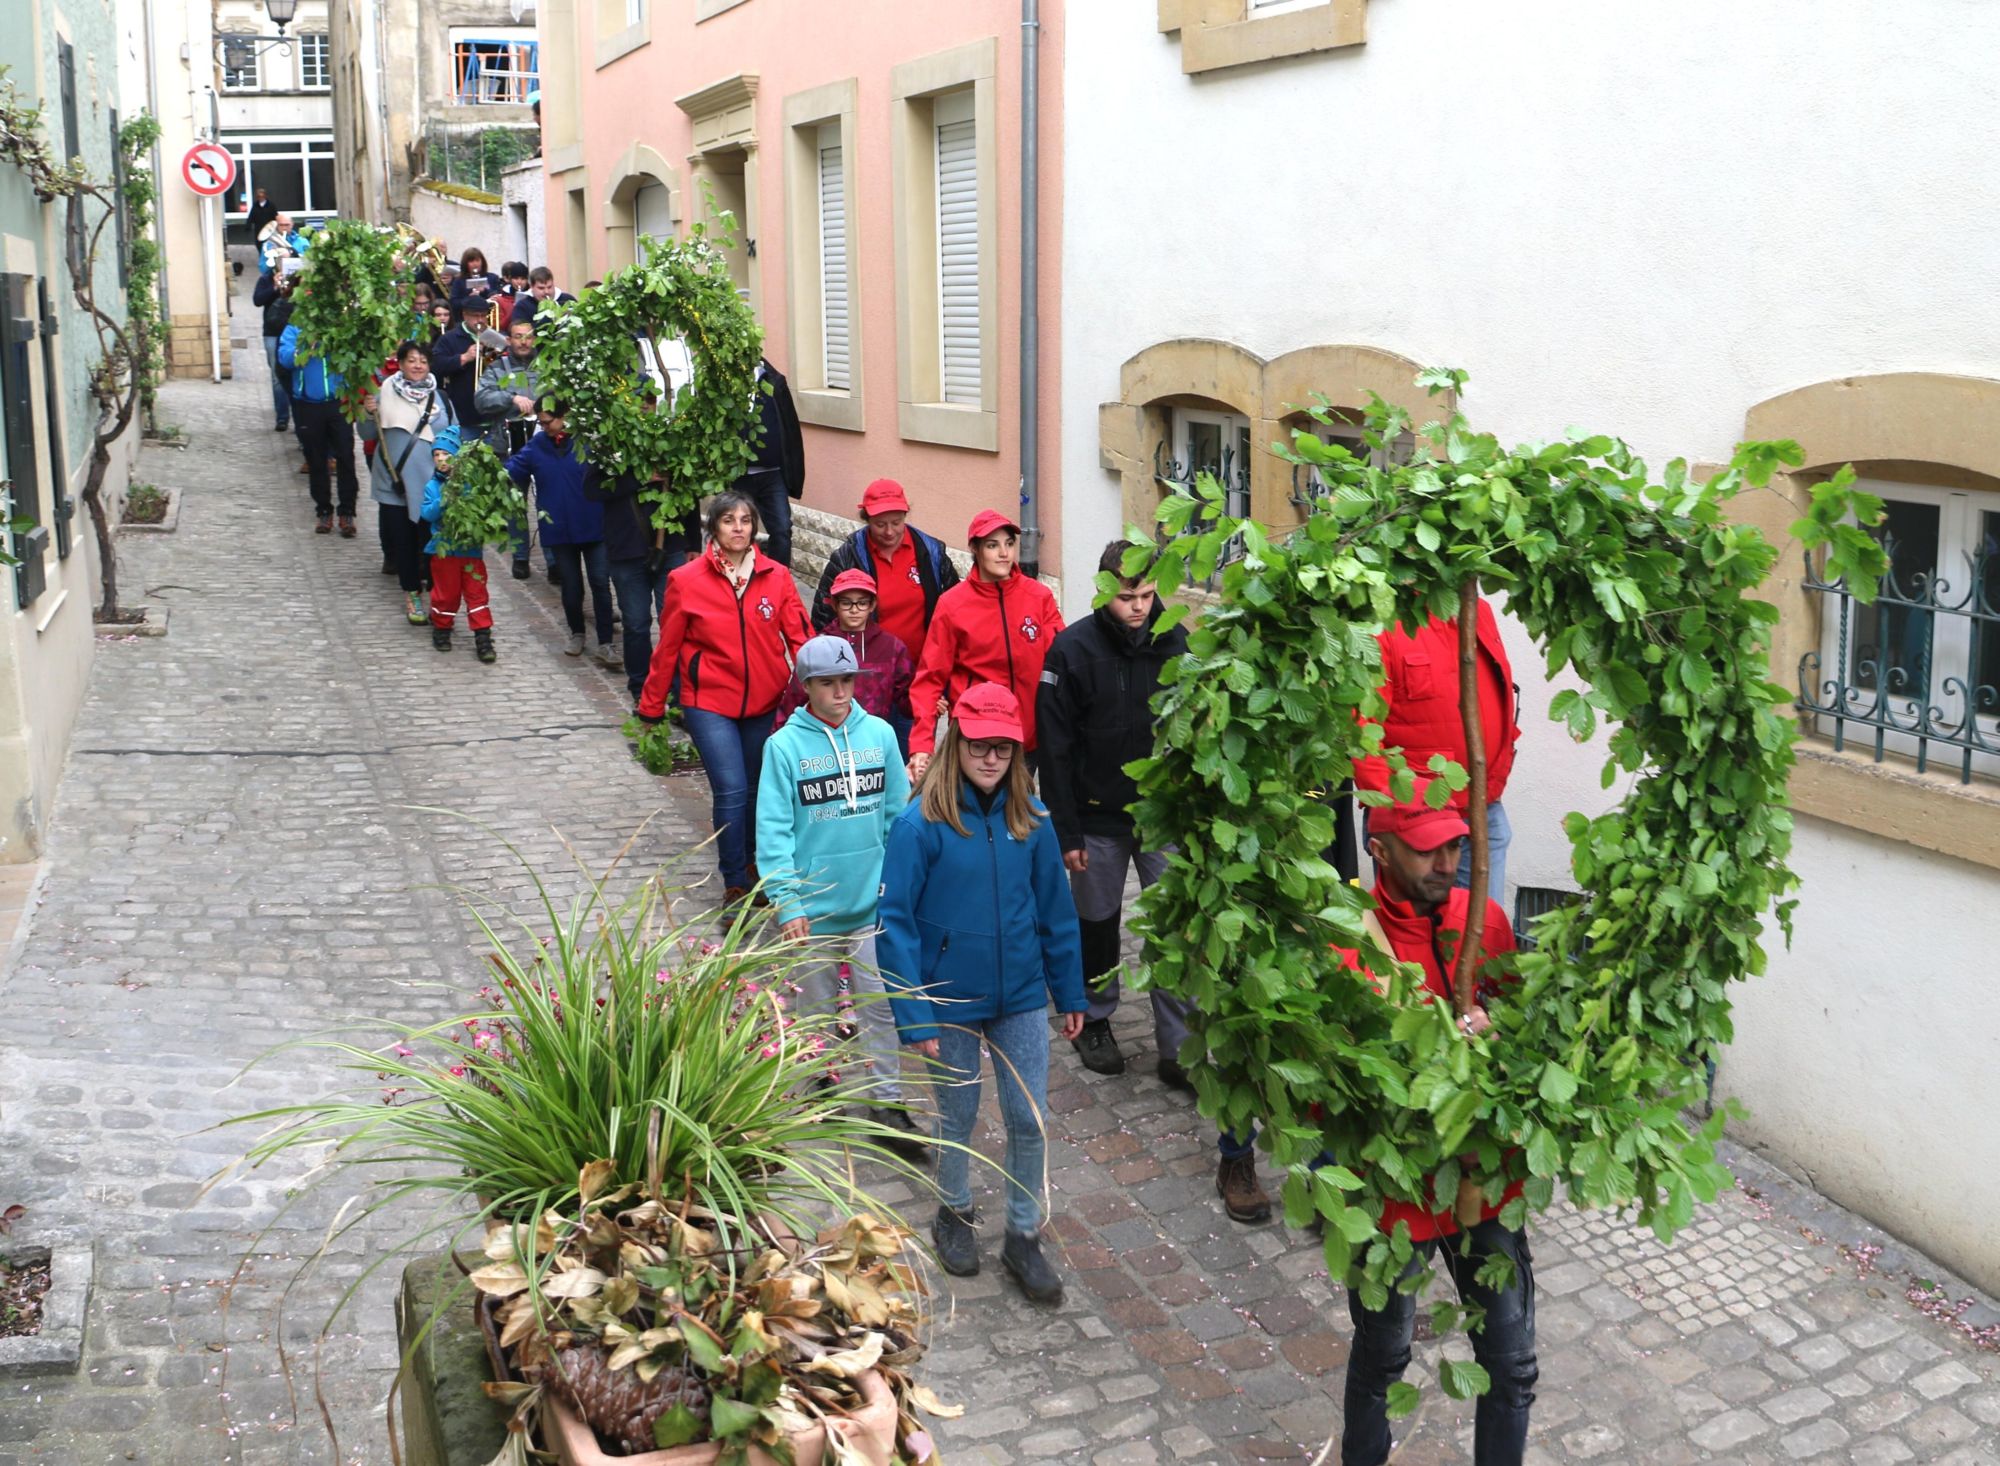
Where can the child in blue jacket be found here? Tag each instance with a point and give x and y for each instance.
(978, 935)
(832, 785)
(457, 572)
(572, 526)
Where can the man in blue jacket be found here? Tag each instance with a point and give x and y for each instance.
(832, 786)
(324, 432)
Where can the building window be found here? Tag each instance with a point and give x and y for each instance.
(241, 65)
(1917, 673)
(493, 68)
(1201, 441)
(1220, 33)
(946, 187)
(957, 248)
(297, 172)
(822, 276)
(1346, 429)
(314, 73)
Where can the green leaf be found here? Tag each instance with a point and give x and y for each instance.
(1558, 1085)
(680, 1426)
(1402, 1399)
(702, 1347)
(732, 1417)
(1462, 1378)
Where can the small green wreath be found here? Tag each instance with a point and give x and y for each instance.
(481, 504)
(1646, 592)
(698, 443)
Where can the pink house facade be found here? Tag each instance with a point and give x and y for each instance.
(875, 172)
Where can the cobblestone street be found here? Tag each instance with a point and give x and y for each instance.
(244, 854)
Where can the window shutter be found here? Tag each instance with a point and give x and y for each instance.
(958, 250)
(833, 303)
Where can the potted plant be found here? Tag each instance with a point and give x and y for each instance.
(626, 1045)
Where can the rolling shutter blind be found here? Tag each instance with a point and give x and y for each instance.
(833, 308)
(958, 250)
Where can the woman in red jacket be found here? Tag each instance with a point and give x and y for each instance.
(996, 626)
(731, 623)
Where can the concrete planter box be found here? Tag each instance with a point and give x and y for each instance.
(155, 624)
(58, 1348)
(871, 1437)
(169, 522)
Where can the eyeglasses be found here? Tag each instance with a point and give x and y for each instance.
(1000, 748)
(854, 603)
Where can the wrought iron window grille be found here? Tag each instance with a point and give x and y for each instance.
(1888, 679)
(1179, 477)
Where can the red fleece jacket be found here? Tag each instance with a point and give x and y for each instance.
(984, 632)
(734, 654)
(1420, 679)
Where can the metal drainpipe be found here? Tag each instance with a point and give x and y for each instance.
(1031, 317)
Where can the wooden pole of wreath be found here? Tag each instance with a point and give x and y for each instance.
(1470, 1203)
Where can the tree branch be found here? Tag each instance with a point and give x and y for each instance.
(1475, 809)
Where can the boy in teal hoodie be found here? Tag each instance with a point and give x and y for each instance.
(833, 783)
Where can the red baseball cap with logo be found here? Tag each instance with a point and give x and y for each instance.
(986, 522)
(849, 580)
(988, 710)
(1419, 826)
(884, 496)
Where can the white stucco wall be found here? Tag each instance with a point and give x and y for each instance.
(1641, 220)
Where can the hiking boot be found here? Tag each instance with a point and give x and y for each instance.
(575, 646)
(283, 427)
(413, 607)
(1098, 1049)
(1242, 1197)
(347, 526)
(305, 468)
(521, 571)
(610, 656)
(1174, 1076)
(323, 524)
(554, 574)
(912, 1140)
(1022, 1256)
(441, 638)
(957, 1244)
(388, 566)
(482, 645)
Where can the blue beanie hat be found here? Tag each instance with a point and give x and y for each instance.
(447, 439)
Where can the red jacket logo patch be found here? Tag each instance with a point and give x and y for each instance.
(766, 609)
(1029, 629)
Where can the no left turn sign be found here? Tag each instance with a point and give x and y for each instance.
(208, 169)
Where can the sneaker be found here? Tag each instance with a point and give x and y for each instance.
(521, 571)
(575, 647)
(305, 468)
(283, 427)
(1021, 1254)
(1098, 1049)
(323, 525)
(911, 1140)
(957, 1244)
(482, 645)
(413, 607)
(347, 526)
(441, 638)
(1175, 1077)
(610, 656)
(1242, 1197)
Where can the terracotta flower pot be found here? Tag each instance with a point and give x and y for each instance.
(871, 1431)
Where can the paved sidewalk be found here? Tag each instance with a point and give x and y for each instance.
(236, 862)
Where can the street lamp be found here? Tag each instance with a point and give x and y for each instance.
(237, 52)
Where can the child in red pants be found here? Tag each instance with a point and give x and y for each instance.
(455, 573)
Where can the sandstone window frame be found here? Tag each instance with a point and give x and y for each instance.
(922, 414)
(835, 104)
(1921, 427)
(637, 167)
(724, 164)
(1215, 34)
(621, 27)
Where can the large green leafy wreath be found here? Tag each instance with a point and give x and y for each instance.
(1594, 1061)
(481, 505)
(351, 303)
(697, 444)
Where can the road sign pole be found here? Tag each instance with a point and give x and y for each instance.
(208, 263)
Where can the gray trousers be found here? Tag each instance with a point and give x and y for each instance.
(1099, 892)
(876, 1040)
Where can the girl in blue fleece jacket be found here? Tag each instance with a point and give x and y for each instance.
(978, 935)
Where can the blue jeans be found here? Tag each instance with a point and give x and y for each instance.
(575, 564)
(281, 400)
(1504, 1345)
(1499, 835)
(641, 596)
(732, 755)
(766, 489)
(1020, 1044)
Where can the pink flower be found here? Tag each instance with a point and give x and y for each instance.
(458, 1071)
(404, 1051)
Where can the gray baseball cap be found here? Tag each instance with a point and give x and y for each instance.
(827, 656)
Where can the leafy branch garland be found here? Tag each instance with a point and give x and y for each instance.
(1646, 592)
(351, 303)
(481, 504)
(697, 445)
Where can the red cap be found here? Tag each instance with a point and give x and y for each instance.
(986, 522)
(988, 710)
(884, 496)
(849, 580)
(1419, 826)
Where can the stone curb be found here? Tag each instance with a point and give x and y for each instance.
(155, 624)
(169, 522)
(58, 1348)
